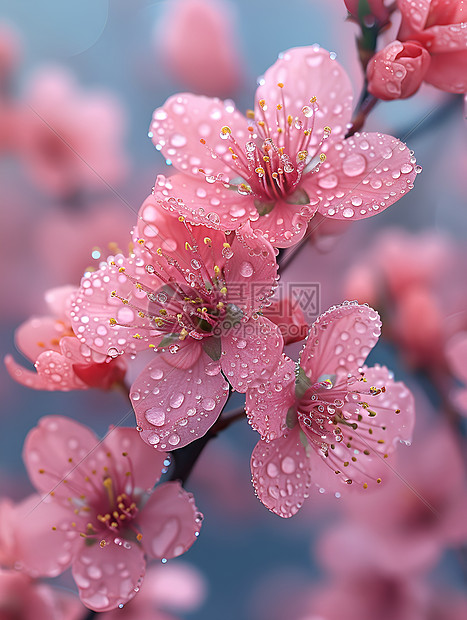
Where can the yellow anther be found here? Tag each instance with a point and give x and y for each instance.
(138, 336)
(121, 269)
(159, 251)
(378, 480)
(302, 155)
(41, 344)
(250, 114)
(113, 293)
(223, 290)
(41, 471)
(163, 311)
(290, 119)
(207, 240)
(262, 103)
(313, 100)
(279, 106)
(54, 528)
(152, 346)
(280, 84)
(113, 321)
(203, 141)
(139, 537)
(138, 285)
(226, 245)
(266, 158)
(327, 129)
(181, 218)
(216, 270)
(322, 157)
(220, 305)
(365, 486)
(141, 314)
(226, 131)
(141, 241)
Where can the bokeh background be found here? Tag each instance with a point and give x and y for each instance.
(84, 77)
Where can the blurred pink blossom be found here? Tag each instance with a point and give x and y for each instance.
(177, 587)
(113, 520)
(456, 353)
(439, 25)
(283, 163)
(21, 598)
(189, 293)
(70, 139)
(61, 361)
(397, 71)
(334, 420)
(198, 45)
(288, 316)
(377, 8)
(10, 53)
(421, 509)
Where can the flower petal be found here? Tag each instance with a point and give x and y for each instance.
(169, 521)
(339, 341)
(174, 406)
(130, 454)
(39, 334)
(448, 71)
(307, 72)
(41, 550)
(110, 575)
(286, 223)
(280, 473)
(268, 404)
(184, 120)
(251, 352)
(94, 307)
(60, 448)
(54, 373)
(362, 176)
(204, 203)
(250, 274)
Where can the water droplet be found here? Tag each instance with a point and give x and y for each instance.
(155, 416)
(353, 165)
(246, 269)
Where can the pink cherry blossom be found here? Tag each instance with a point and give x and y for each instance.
(456, 353)
(99, 513)
(377, 8)
(23, 599)
(420, 511)
(70, 139)
(197, 42)
(438, 25)
(191, 295)
(61, 361)
(397, 71)
(284, 163)
(288, 316)
(334, 421)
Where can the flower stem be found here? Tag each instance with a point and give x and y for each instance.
(186, 458)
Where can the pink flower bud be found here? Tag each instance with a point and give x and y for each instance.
(397, 71)
(376, 8)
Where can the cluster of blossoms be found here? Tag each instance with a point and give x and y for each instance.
(193, 298)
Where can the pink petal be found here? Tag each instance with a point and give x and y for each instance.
(95, 300)
(251, 273)
(414, 17)
(59, 301)
(448, 72)
(39, 334)
(268, 404)
(307, 72)
(445, 38)
(340, 340)
(23, 599)
(286, 223)
(184, 120)
(41, 550)
(94, 369)
(280, 473)
(130, 454)
(54, 372)
(250, 352)
(204, 203)
(162, 229)
(196, 39)
(174, 406)
(110, 575)
(169, 521)
(61, 448)
(353, 182)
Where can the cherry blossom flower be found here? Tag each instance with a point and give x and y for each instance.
(191, 295)
(197, 43)
(61, 361)
(287, 161)
(334, 421)
(440, 26)
(397, 71)
(420, 511)
(376, 8)
(456, 353)
(70, 139)
(99, 513)
(23, 599)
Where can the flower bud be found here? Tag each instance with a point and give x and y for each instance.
(375, 8)
(397, 71)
